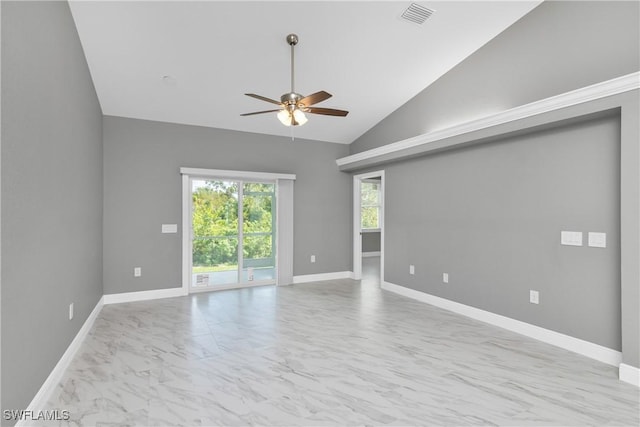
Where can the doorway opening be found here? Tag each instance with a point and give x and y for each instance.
(368, 226)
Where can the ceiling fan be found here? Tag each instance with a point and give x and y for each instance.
(292, 104)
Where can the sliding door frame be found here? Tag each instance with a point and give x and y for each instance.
(187, 246)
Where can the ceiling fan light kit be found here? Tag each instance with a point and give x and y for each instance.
(292, 104)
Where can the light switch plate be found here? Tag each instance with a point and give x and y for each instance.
(597, 240)
(169, 228)
(534, 297)
(571, 238)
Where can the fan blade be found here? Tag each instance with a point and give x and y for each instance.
(259, 112)
(326, 111)
(314, 98)
(263, 98)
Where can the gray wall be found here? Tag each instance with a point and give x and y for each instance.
(491, 217)
(557, 47)
(371, 241)
(142, 190)
(51, 193)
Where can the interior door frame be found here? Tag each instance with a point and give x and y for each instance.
(357, 225)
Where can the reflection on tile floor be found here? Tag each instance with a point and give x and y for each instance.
(328, 353)
(215, 279)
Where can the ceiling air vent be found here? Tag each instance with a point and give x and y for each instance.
(417, 14)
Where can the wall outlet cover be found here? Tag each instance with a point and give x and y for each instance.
(445, 277)
(412, 269)
(597, 240)
(571, 238)
(534, 297)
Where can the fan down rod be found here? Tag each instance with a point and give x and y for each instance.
(292, 39)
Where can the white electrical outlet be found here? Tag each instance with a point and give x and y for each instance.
(571, 238)
(534, 297)
(412, 269)
(137, 272)
(597, 240)
(445, 277)
(71, 311)
(313, 258)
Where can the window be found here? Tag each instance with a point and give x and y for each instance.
(370, 204)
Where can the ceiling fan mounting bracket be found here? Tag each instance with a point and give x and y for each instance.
(292, 39)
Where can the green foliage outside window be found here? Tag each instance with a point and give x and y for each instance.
(370, 205)
(215, 222)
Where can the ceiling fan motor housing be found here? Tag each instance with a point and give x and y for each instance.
(290, 100)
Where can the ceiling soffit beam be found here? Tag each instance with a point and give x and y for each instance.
(449, 138)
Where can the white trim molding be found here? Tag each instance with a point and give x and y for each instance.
(576, 345)
(144, 295)
(593, 92)
(307, 278)
(221, 173)
(186, 233)
(629, 374)
(49, 385)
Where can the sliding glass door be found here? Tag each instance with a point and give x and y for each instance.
(258, 232)
(233, 233)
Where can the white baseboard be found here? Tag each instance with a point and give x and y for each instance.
(323, 276)
(576, 345)
(58, 371)
(144, 295)
(370, 254)
(629, 374)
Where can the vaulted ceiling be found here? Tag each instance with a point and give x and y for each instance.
(191, 62)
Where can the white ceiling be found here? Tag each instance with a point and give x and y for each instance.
(360, 51)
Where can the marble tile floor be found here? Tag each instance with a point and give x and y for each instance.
(329, 353)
